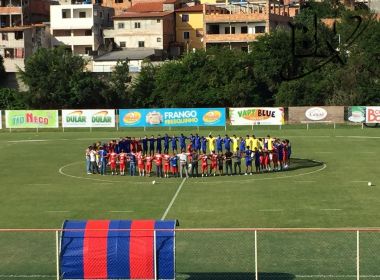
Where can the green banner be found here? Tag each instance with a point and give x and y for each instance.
(31, 118)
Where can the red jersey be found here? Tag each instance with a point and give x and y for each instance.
(149, 160)
(204, 159)
(166, 159)
(158, 159)
(122, 158)
(214, 158)
(140, 160)
(113, 157)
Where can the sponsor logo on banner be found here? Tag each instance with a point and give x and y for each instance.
(316, 114)
(172, 117)
(373, 115)
(257, 116)
(88, 118)
(356, 114)
(31, 118)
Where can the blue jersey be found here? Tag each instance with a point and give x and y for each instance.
(159, 143)
(103, 155)
(174, 142)
(173, 161)
(192, 139)
(227, 143)
(219, 143)
(242, 145)
(145, 143)
(248, 154)
(203, 143)
(257, 158)
(182, 142)
(166, 141)
(127, 146)
(151, 143)
(197, 142)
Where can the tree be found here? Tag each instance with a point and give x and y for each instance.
(10, 99)
(2, 70)
(118, 85)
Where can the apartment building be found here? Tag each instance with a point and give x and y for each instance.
(80, 27)
(19, 42)
(236, 25)
(145, 25)
(14, 13)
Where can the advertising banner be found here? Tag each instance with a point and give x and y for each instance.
(356, 114)
(327, 114)
(172, 117)
(31, 118)
(257, 116)
(88, 118)
(372, 114)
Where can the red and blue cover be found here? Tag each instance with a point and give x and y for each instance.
(117, 249)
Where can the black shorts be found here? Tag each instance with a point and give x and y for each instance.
(220, 167)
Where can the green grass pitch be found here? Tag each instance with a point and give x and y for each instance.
(43, 183)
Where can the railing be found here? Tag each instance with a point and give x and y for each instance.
(240, 253)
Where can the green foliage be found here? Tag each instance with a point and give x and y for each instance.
(10, 99)
(118, 84)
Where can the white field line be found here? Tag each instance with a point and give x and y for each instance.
(121, 211)
(204, 210)
(358, 181)
(305, 181)
(271, 210)
(360, 137)
(336, 276)
(26, 276)
(27, 141)
(173, 199)
(331, 209)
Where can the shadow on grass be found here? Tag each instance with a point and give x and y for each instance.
(235, 276)
(301, 163)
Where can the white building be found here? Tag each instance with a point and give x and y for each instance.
(80, 27)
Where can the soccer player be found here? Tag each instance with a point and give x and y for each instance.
(183, 164)
(166, 158)
(158, 162)
(257, 160)
(204, 165)
(145, 145)
(112, 159)
(132, 164)
(289, 148)
(197, 143)
(174, 165)
(214, 162)
(219, 143)
(194, 163)
(248, 161)
(122, 160)
(228, 156)
(280, 149)
(159, 144)
(242, 145)
(211, 142)
(235, 142)
(267, 161)
(173, 139)
(140, 164)
(220, 163)
(203, 144)
(151, 145)
(149, 160)
(275, 158)
(166, 143)
(182, 142)
(103, 160)
(88, 162)
(227, 143)
(237, 161)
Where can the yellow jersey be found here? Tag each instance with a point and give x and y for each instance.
(211, 143)
(235, 144)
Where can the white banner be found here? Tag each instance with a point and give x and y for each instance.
(88, 118)
(257, 116)
(372, 114)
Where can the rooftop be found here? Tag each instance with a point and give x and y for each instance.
(131, 54)
(196, 8)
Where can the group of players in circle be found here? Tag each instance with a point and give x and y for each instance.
(137, 156)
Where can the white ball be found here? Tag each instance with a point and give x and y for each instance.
(369, 184)
(153, 182)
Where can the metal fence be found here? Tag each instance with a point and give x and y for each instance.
(228, 254)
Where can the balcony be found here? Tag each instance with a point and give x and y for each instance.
(223, 38)
(238, 17)
(72, 40)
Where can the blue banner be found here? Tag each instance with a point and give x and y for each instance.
(172, 117)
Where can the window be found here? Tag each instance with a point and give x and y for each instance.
(4, 36)
(119, 1)
(122, 44)
(229, 30)
(158, 21)
(88, 32)
(82, 14)
(120, 25)
(141, 44)
(19, 35)
(186, 35)
(244, 30)
(66, 13)
(88, 50)
(101, 14)
(185, 18)
(137, 24)
(259, 29)
(158, 39)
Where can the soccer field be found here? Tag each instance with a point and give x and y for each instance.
(43, 183)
